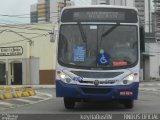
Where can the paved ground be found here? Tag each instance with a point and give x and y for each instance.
(150, 83)
(150, 86)
(48, 107)
(48, 92)
(148, 102)
(19, 102)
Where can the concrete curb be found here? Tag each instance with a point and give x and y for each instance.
(8, 92)
(32, 86)
(53, 87)
(150, 85)
(43, 86)
(149, 81)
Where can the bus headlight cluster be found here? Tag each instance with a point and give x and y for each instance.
(128, 80)
(65, 78)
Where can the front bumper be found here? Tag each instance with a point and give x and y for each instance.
(97, 92)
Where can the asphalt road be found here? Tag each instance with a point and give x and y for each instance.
(148, 102)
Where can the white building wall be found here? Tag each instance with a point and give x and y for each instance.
(154, 49)
(114, 2)
(38, 56)
(146, 16)
(41, 1)
(33, 7)
(54, 10)
(147, 12)
(122, 2)
(94, 2)
(41, 49)
(130, 3)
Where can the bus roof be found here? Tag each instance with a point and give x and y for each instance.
(101, 6)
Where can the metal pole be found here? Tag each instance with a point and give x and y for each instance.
(149, 15)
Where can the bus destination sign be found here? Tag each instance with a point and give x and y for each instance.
(98, 15)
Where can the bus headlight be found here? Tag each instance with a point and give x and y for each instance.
(128, 80)
(65, 78)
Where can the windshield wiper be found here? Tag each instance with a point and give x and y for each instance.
(108, 31)
(82, 32)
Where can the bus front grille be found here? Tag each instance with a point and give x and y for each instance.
(101, 82)
(96, 90)
(85, 74)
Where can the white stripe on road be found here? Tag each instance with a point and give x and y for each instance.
(148, 84)
(49, 95)
(24, 100)
(38, 97)
(148, 89)
(6, 104)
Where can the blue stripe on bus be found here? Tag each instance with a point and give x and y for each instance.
(112, 92)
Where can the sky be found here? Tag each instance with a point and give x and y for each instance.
(21, 7)
(14, 7)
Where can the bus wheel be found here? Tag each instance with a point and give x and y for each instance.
(128, 103)
(69, 103)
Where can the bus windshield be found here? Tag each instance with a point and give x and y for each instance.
(98, 46)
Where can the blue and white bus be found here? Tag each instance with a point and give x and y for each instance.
(98, 54)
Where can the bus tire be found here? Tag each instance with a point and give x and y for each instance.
(128, 104)
(69, 103)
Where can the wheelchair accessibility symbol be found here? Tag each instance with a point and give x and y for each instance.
(103, 59)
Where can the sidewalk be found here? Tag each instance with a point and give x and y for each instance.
(42, 86)
(142, 83)
(150, 83)
(150, 80)
(32, 86)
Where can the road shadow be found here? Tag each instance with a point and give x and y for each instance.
(99, 106)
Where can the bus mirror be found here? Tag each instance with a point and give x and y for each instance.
(142, 44)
